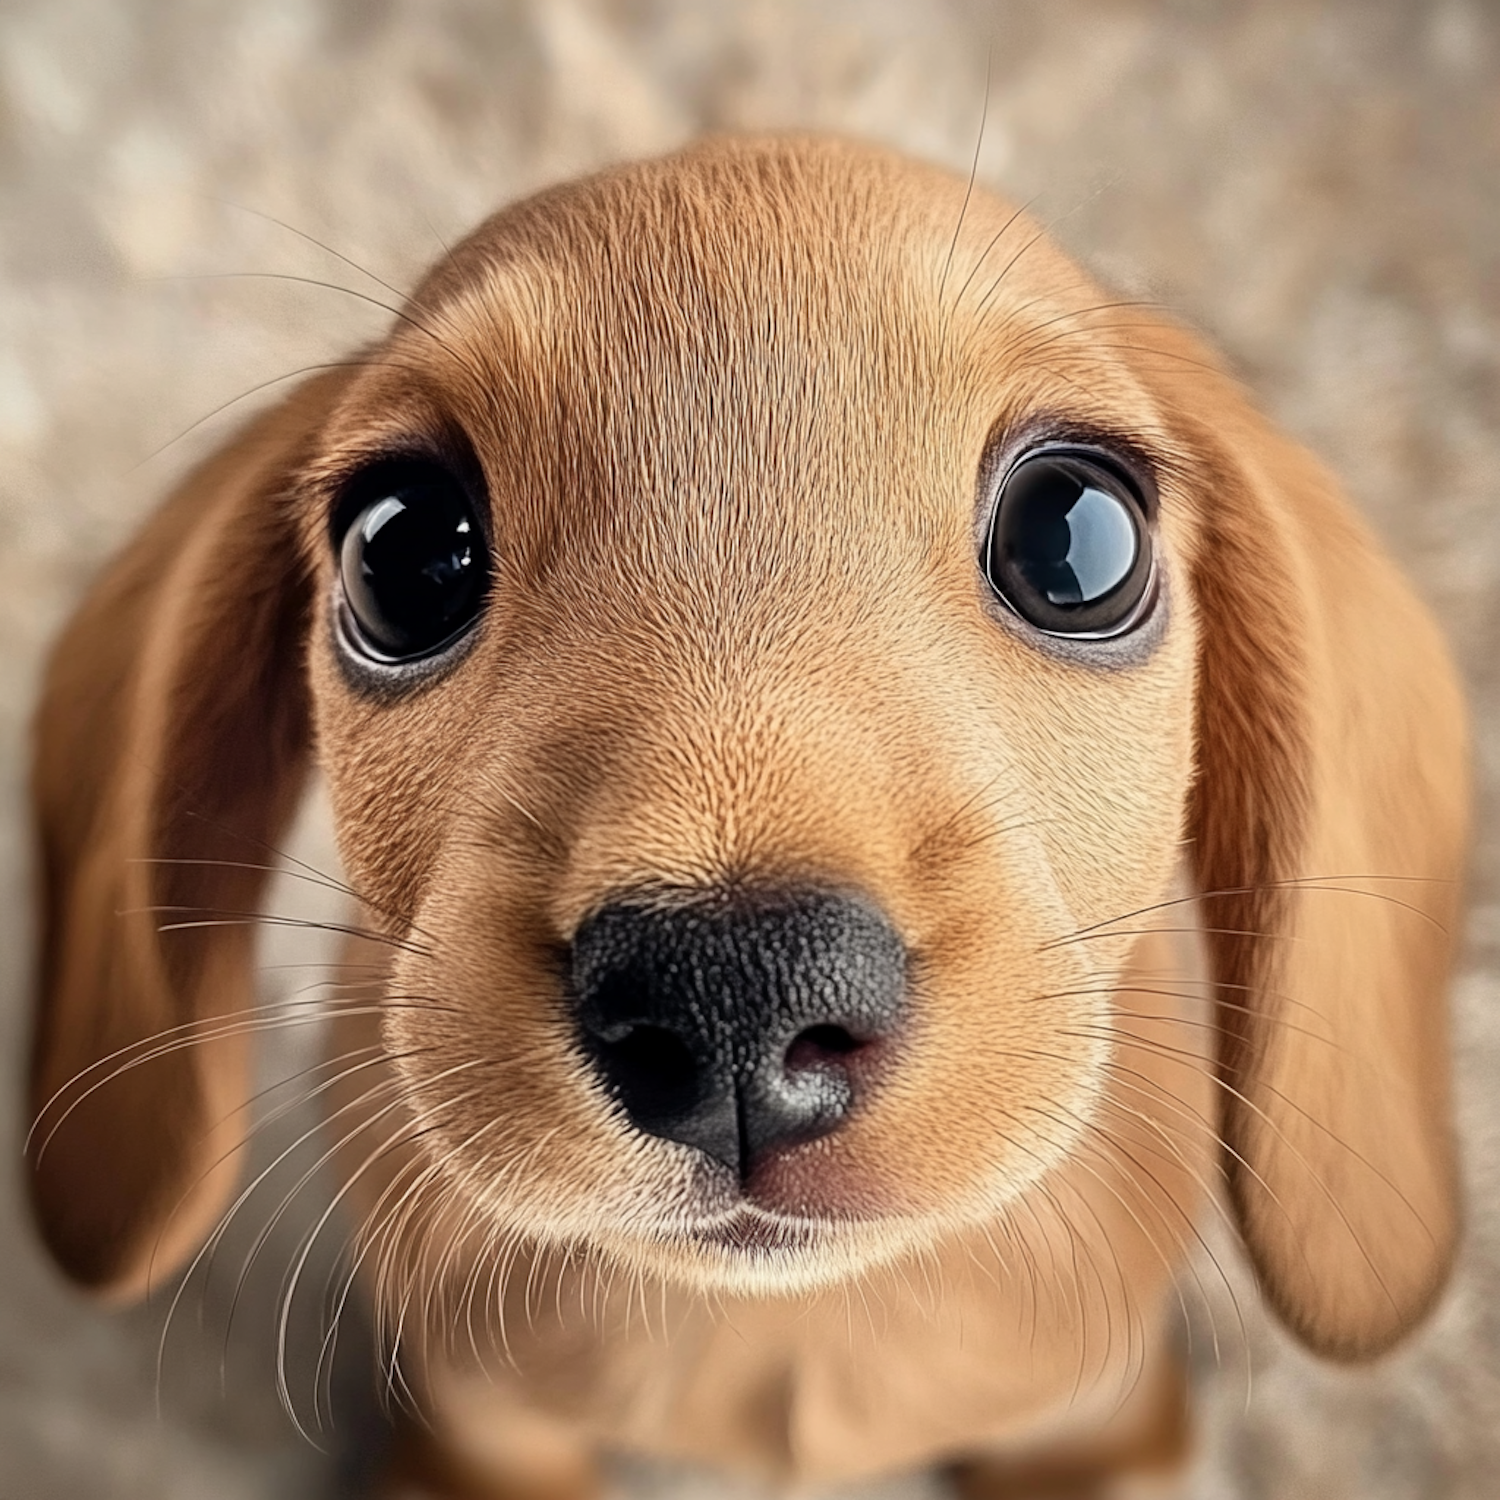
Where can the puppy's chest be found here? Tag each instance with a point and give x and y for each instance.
(925, 1360)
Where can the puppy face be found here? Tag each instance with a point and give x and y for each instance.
(773, 630)
(736, 662)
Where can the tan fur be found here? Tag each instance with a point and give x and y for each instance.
(731, 409)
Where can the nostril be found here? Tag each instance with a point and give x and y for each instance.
(653, 1070)
(820, 1044)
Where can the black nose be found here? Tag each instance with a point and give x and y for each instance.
(738, 1023)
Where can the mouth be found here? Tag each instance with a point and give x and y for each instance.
(724, 1242)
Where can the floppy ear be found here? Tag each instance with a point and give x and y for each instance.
(170, 748)
(1329, 826)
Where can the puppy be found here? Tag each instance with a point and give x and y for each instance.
(784, 647)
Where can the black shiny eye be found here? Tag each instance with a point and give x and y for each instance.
(1069, 549)
(412, 561)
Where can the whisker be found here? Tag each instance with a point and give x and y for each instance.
(223, 1030)
(1089, 935)
(209, 1249)
(1005, 271)
(308, 874)
(302, 234)
(310, 1239)
(371, 1056)
(984, 114)
(406, 1136)
(1315, 1177)
(479, 799)
(285, 859)
(224, 917)
(1189, 1223)
(367, 1238)
(1041, 234)
(1197, 1024)
(1148, 352)
(1301, 882)
(995, 239)
(333, 286)
(255, 390)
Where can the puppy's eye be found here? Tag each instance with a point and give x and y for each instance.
(412, 561)
(1069, 549)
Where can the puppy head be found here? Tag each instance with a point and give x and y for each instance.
(764, 649)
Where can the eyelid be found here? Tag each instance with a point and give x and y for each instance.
(1138, 480)
(1143, 462)
(347, 490)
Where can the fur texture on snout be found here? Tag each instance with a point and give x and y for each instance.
(718, 447)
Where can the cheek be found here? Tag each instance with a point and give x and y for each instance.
(1106, 761)
(1029, 920)
(396, 775)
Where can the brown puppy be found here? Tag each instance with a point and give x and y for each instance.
(782, 644)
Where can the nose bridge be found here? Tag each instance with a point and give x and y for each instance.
(749, 771)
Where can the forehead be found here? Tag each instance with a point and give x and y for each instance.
(763, 329)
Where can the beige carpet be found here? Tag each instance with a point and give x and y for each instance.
(1317, 186)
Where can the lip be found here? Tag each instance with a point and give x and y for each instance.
(753, 1229)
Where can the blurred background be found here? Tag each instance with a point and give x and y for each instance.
(1316, 186)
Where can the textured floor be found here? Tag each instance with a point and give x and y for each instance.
(1318, 187)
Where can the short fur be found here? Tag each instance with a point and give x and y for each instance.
(736, 412)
